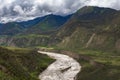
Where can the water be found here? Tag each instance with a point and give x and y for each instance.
(64, 68)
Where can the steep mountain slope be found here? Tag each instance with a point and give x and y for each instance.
(21, 64)
(92, 27)
(49, 23)
(30, 40)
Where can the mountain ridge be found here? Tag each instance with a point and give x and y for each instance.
(26, 26)
(79, 29)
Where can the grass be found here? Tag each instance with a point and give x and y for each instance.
(106, 72)
(102, 57)
(97, 64)
(30, 36)
(107, 66)
(22, 64)
(3, 76)
(29, 63)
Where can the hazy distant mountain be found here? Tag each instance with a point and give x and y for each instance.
(41, 24)
(49, 23)
(30, 23)
(10, 29)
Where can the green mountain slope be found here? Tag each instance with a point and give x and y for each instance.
(90, 27)
(31, 33)
(10, 29)
(49, 23)
(38, 25)
(94, 33)
(21, 64)
(93, 28)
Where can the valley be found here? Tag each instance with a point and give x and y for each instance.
(88, 42)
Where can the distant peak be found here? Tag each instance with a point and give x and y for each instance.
(96, 7)
(89, 9)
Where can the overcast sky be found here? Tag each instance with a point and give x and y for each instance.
(22, 10)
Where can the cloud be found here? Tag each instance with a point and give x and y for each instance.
(105, 3)
(23, 10)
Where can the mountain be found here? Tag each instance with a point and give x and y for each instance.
(30, 23)
(90, 27)
(41, 24)
(93, 28)
(10, 29)
(49, 23)
(31, 33)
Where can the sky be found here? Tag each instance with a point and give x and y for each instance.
(23, 10)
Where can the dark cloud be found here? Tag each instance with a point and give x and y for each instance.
(22, 10)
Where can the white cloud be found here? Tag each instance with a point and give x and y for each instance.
(18, 9)
(22, 10)
(105, 3)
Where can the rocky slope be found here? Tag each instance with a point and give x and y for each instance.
(93, 28)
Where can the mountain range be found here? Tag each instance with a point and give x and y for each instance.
(38, 25)
(90, 27)
(91, 36)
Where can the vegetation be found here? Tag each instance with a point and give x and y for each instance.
(96, 64)
(102, 66)
(30, 40)
(49, 23)
(21, 64)
(92, 28)
(92, 32)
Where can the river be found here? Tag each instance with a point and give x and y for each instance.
(64, 68)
